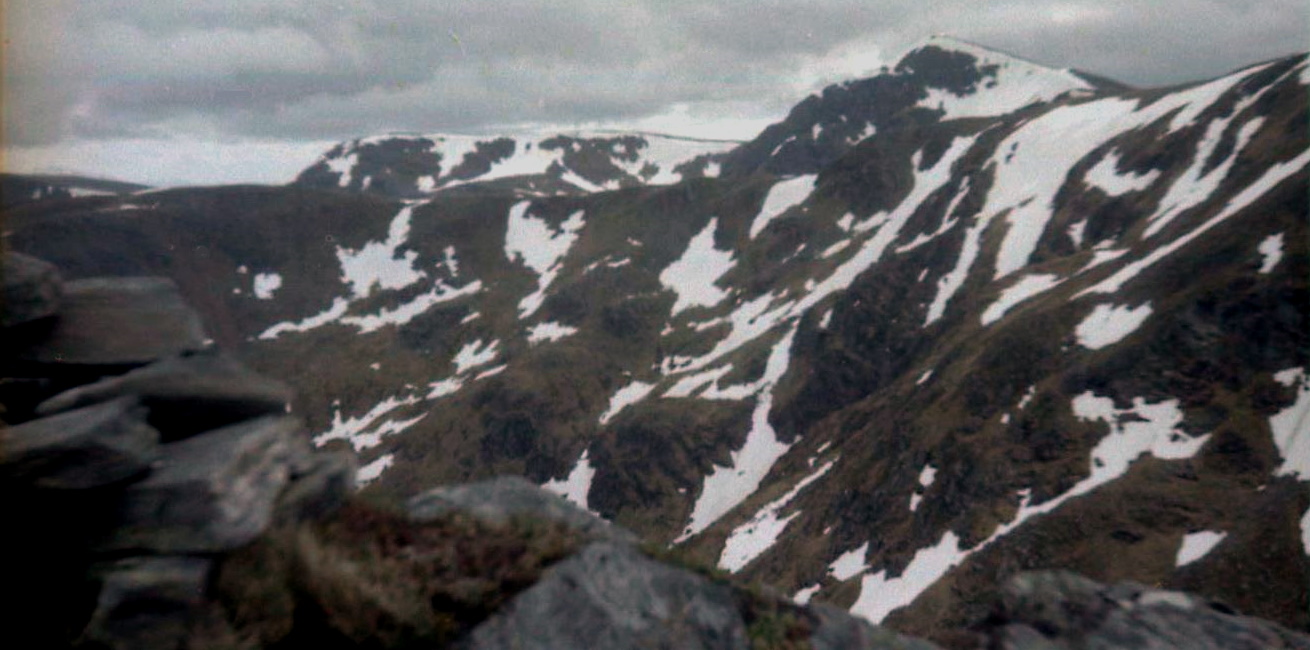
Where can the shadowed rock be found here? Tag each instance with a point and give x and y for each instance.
(503, 498)
(186, 395)
(209, 493)
(32, 290)
(147, 603)
(118, 322)
(611, 596)
(1062, 610)
(90, 447)
(838, 630)
(317, 488)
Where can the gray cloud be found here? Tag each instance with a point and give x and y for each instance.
(299, 69)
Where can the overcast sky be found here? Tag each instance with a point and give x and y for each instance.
(170, 91)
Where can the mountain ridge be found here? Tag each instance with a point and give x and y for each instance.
(1071, 335)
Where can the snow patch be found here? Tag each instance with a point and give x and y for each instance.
(1105, 176)
(1291, 426)
(879, 595)
(540, 247)
(361, 431)
(693, 275)
(474, 354)
(376, 264)
(266, 284)
(550, 331)
(753, 538)
(625, 397)
(1271, 249)
(370, 472)
(850, 564)
(1109, 324)
(1025, 288)
(577, 485)
(782, 196)
(1196, 545)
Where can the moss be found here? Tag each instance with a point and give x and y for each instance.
(368, 577)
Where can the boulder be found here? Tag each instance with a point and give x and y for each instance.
(32, 290)
(318, 488)
(85, 448)
(117, 322)
(186, 395)
(147, 603)
(611, 596)
(838, 630)
(1062, 610)
(503, 498)
(209, 493)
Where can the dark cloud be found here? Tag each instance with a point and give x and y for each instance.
(299, 69)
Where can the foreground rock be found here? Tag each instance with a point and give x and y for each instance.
(118, 323)
(186, 395)
(503, 498)
(86, 448)
(32, 290)
(1060, 610)
(148, 602)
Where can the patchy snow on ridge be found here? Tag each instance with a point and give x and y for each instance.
(577, 485)
(753, 538)
(1291, 426)
(625, 397)
(405, 312)
(360, 431)
(376, 263)
(1018, 83)
(1109, 324)
(474, 354)
(781, 197)
(850, 564)
(1271, 249)
(926, 479)
(330, 315)
(726, 487)
(540, 247)
(693, 275)
(550, 331)
(1025, 288)
(879, 595)
(1105, 176)
(368, 473)
(266, 284)
(1197, 545)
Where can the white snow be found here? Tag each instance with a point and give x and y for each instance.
(625, 397)
(1271, 248)
(474, 354)
(1027, 397)
(1109, 324)
(405, 312)
(841, 245)
(803, 596)
(846, 221)
(1197, 184)
(540, 247)
(1196, 545)
(490, 372)
(947, 222)
(1101, 257)
(577, 484)
(726, 487)
(470, 318)
(376, 264)
(1305, 527)
(1272, 177)
(1025, 288)
(1018, 83)
(266, 284)
(927, 476)
(1291, 426)
(827, 319)
(753, 538)
(331, 314)
(444, 387)
(688, 385)
(370, 472)
(1143, 428)
(550, 331)
(367, 430)
(850, 564)
(923, 379)
(1105, 176)
(1076, 232)
(693, 275)
(782, 196)
(344, 165)
(879, 595)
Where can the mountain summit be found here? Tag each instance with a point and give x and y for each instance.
(965, 318)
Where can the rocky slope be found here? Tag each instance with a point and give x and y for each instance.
(966, 318)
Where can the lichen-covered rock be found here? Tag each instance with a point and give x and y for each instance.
(503, 498)
(32, 290)
(118, 322)
(1061, 610)
(85, 448)
(209, 493)
(611, 596)
(147, 603)
(186, 395)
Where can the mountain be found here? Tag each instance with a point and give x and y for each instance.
(966, 318)
(17, 189)
(414, 166)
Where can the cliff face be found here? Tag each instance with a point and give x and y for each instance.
(963, 319)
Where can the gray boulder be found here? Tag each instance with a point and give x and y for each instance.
(147, 603)
(1058, 610)
(318, 486)
(838, 630)
(209, 493)
(503, 498)
(86, 448)
(186, 395)
(611, 596)
(118, 322)
(32, 290)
